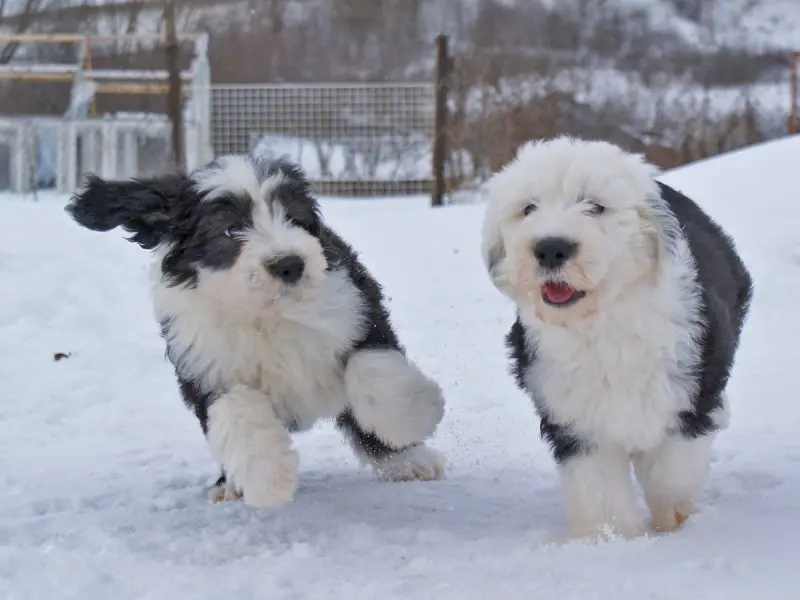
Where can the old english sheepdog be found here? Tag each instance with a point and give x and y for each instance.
(271, 323)
(630, 303)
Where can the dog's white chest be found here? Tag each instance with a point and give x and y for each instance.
(298, 369)
(295, 360)
(619, 385)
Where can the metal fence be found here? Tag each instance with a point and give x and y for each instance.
(351, 139)
(54, 153)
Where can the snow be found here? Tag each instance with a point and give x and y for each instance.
(758, 26)
(755, 25)
(105, 473)
(767, 25)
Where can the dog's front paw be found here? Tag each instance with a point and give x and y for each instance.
(666, 519)
(254, 448)
(417, 463)
(628, 528)
(270, 483)
(225, 492)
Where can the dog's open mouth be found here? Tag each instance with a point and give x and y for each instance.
(557, 293)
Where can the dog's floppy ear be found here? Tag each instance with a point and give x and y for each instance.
(140, 206)
(662, 226)
(293, 192)
(494, 257)
(494, 254)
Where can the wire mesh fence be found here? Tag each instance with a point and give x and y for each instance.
(351, 139)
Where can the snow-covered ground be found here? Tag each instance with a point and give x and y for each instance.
(105, 474)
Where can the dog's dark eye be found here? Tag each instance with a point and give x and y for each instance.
(596, 209)
(230, 232)
(529, 209)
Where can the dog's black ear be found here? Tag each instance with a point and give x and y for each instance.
(140, 206)
(294, 193)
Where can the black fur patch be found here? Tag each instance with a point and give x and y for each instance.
(199, 239)
(140, 206)
(340, 255)
(197, 400)
(563, 442)
(364, 442)
(727, 290)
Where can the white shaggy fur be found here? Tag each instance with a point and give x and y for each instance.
(271, 322)
(242, 326)
(232, 175)
(291, 356)
(391, 398)
(226, 492)
(604, 364)
(245, 435)
(280, 352)
(289, 364)
(598, 494)
(671, 476)
(283, 365)
(247, 285)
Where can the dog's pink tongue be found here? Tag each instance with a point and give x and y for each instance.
(558, 292)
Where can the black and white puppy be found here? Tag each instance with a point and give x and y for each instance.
(630, 304)
(271, 323)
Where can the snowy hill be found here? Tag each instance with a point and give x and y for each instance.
(104, 473)
(757, 25)
(753, 24)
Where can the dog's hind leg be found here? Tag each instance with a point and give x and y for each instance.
(392, 409)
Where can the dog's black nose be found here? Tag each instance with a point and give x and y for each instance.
(286, 268)
(552, 252)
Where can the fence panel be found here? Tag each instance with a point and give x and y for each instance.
(40, 153)
(351, 139)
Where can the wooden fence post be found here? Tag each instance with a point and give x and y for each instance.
(440, 125)
(175, 89)
(793, 93)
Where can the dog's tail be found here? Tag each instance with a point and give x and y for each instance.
(141, 207)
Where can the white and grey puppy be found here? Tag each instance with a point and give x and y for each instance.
(630, 305)
(271, 322)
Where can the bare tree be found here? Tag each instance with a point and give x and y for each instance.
(17, 17)
(175, 92)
